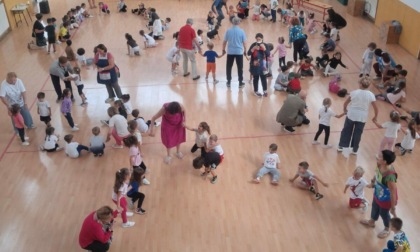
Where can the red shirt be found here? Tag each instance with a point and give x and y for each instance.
(186, 36)
(294, 84)
(92, 231)
(18, 120)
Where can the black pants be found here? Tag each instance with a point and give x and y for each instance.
(327, 133)
(124, 8)
(298, 44)
(98, 150)
(142, 165)
(57, 87)
(53, 149)
(81, 147)
(239, 64)
(195, 148)
(282, 61)
(263, 82)
(273, 15)
(21, 132)
(69, 119)
(97, 246)
(137, 196)
(319, 62)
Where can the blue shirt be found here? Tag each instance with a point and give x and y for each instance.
(134, 188)
(295, 33)
(381, 62)
(235, 38)
(211, 56)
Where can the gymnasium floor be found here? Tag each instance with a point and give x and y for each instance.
(45, 196)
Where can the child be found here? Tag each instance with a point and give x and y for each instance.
(281, 48)
(122, 178)
(141, 124)
(256, 11)
(367, 60)
(213, 33)
(305, 48)
(395, 97)
(210, 161)
(122, 7)
(321, 62)
(270, 48)
(294, 85)
(148, 40)
(305, 68)
(391, 131)
(400, 242)
(133, 128)
(166, 24)
(325, 114)
(19, 123)
(202, 133)
(270, 165)
(215, 146)
(125, 98)
(78, 81)
(44, 109)
(282, 80)
(302, 17)
(141, 10)
(136, 160)
(133, 193)
(66, 109)
(311, 23)
(64, 33)
(210, 20)
(231, 12)
(50, 29)
(273, 9)
(264, 11)
(132, 47)
(81, 58)
(51, 141)
(211, 61)
(334, 32)
(121, 108)
(97, 142)
(69, 51)
(309, 180)
(328, 44)
(392, 85)
(410, 137)
(332, 64)
(357, 184)
(84, 11)
(103, 8)
(200, 37)
(73, 149)
(174, 56)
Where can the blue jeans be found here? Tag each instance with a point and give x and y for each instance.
(352, 130)
(390, 247)
(273, 15)
(220, 16)
(27, 118)
(378, 211)
(69, 119)
(98, 149)
(82, 147)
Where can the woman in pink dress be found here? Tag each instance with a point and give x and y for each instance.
(173, 132)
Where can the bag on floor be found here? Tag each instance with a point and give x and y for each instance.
(334, 86)
(342, 92)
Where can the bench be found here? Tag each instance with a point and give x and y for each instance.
(315, 6)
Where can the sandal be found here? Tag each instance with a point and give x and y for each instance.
(367, 223)
(383, 234)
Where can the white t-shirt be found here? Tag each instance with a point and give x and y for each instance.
(391, 129)
(172, 56)
(81, 59)
(271, 160)
(333, 33)
(43, 107)
(120, 124)
(393, 98)
(141, 125)
(201, 139)
(123, 190)
(77, 80)
(13, 93)
(358, 109)
(218, 148)
(308, 174)
(356, 187)
(325, 117)
(150, 41)
(50, 142)
(408, 140)
(274, 4)
(137, 134)
(256, 9)
(128, 107)
(368, 55)
(71, 149)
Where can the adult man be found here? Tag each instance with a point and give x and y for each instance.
(236, 47)
(12, 91)
(292, 113)
(217, 8)
(186, 38)
(60, 69)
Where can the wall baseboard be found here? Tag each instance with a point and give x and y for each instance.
(5, 33)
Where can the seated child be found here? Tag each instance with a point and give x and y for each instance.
(72, 19)
(330, 69)
(97, 142)
(81, 58)
(357, 184)
(84, 11)
(294, 85)
(265, 12)
(309, 180)
(321, 62)
(394, 98)
(400, 242)
(166, 24)
(256, 11)
(282, 80)
(64, 34)
(305, 68)
(142, 125)
(328, 44)
(121, 6)
(103, 8)
(73, 149)
(409, 140)
(125, 98)
(210, 20)
(210, 161)
(141, 10)
(51, 141)
(132, 47)
(213, 33)
(270, 165)
(394, 83)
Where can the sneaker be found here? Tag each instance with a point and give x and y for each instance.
(228, 84)
(179, 155)
(204, 174)
(167, 159)
(315, 142)
(128, 224)
(241, 84)
(403, 151)
(265, 94)
(59, 149)
(353, 152)
(214, 180)
(312, 189)
(186, 74)
(215, 81)
(327, 146)
(157, 124)
(32, 127)
(74, 128)
(100, 154)
(365, 208)
(140, 211)
(146, 182)
(339, 149)
(129, 214)
(274, 182)
(76, 125)
(26, 138)
(257, 94)
(41, 148)
(26, 143)
(196, 77)
(109, 100)
(116, 146)
(289, 129)
(319, 196)
(256, 180)
(130, 204)
(106, 122)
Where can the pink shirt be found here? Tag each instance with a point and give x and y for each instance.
(282, 50)
(18, 120)
(134, 151)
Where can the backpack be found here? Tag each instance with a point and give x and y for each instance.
(342, 92)
(334, 85)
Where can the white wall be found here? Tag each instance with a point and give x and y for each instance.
(373, 6)
(4, 22)
(415, 4)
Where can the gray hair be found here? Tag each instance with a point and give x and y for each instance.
(236, 21)
(190, 21)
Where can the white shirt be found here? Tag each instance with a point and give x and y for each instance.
(13, 93)
(325, 117)
(81, 59)
(77, 80)
(137, 134)
(333, 33)
(358, 109)
(271, 160)
(391, 129)
(123, 190)
(141, 125)
(274, 4)
(50, 142)
(150, 41)
(172, 55)
(218, 148)
(201, 139)
(256, 9)
(408, 140)
(128, 107)
(120, 125)
(356, 187)
(71, 149)
(393, 98)
(368, 55)
(43, 107)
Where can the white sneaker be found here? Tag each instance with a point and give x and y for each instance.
(130, 204)
(167, 159)
(327, 146)
(157, 124)
(109, 100)
(146, 182)
(75, 125)
(59, 149)
(128, 224)
(315, 142)
(116, 146)
(179, 155)
(41, 148)
(353, 152)
(129, 214)
(26, 143)
(74, 128)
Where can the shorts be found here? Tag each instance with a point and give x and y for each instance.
(211, 67)
(307, 181)
(80, 89)
(355, 203)
(51, 40)
(45, 119)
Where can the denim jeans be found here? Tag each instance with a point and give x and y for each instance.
(353, 131)
(390, 247)
(81, 147)
(378, 211)
(220, 16)
(69, 119)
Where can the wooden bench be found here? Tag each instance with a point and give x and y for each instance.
(316, 6)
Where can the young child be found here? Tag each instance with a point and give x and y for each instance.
(51, 141)
(19, 123)
(103, 8)
(294, 84)
(69, 51)
(270, 165)
(213, 145)
(78, 81)
(391, 131)
(325, 114)
(302, 17)
(44, 109)
(395, 97)
(210, 20)
(97, 142)
(136, 160)
(395, 83)
(121, 6)
(166, 24)
(66, 109)
(133, 128)
(305, 68)
(270, 61)
(142, 125)
(309, 180)
(64, 32)
(282, 80)
(202, 133)
(334, 32)
(73, 149)
(256, 11)
(141, 10)
(213, 33)
(50, 29)
(357, 184)
(322, 62)
(400, 242)
(367, 60)
(311, 23)
(148, 40)
(84, 11)
(125, 98)
(134, 194)
(231, 13)
(210, 161)
(174, 56)
(81, 58)
(122, 178)
(211, 61)
(281, 48)
(265, 12)
(273, 9)
(132, 47)
(328, 44)
(332, 64)
(410, 137)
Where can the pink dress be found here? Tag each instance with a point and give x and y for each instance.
(172, 131)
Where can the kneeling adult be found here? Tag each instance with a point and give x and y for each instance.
(292, 113)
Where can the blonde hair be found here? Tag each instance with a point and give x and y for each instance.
(213, 137)
(326, 103)
(359, 171)
(365, 82)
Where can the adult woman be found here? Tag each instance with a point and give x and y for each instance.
(357, 108)
(107, 72)
(173, 132)
(96, 232)
(385, 194)
(118, 127)
(38, 33)
(296, 37)
(258, 63)
(61, 69)
(156, 22)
